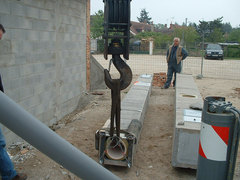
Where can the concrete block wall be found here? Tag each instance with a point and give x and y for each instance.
(43, 56)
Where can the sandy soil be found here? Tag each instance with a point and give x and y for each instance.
(153, 156)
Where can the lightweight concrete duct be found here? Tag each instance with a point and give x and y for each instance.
(119, 150)
(48, 142)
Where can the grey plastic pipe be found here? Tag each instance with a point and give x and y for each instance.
(48, 142)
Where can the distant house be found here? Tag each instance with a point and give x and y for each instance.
(174, 26)
(138, 27)
(166, 30)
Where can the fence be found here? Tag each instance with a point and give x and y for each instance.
(148, 64)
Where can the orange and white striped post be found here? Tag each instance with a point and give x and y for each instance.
(216, 144)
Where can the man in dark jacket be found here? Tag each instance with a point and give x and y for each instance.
(175, 55)
(7, 170)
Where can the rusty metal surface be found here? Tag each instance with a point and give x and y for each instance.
(116, 85)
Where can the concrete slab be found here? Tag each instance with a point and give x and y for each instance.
(133, 109)
(187, 125)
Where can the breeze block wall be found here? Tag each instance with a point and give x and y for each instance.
(43, 56)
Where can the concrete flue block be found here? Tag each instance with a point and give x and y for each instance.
(186, 133)
(133, 109)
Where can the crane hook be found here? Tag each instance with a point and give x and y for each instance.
(123, 69)
(116, 85)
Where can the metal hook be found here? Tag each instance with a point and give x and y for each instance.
(116, 85)
(123, 69)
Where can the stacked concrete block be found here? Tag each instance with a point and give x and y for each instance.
(43, 56)
(133, 110)
(187, 123)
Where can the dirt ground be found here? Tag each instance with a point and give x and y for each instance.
(152, 160)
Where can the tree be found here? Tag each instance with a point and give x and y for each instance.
(234, 36)
(203, 28)
(227, 28)
(144, 17)
(97, 24)
(216, 36)
(160, 40)
(211, 30)
(159, 26)
(188, 34)
(216, 24)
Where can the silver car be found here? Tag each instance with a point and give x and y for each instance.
(214, 51)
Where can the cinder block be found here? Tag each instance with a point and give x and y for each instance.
(18, 9)
(41, 57)
(50, 4)
(11, 21)
(7, 60)
(45, 14)
(4, 7)
(17, 34)
(50, 86)
(26, 70)
(34, 3)
(47, 36)
(5, 47)
(43, 25)
(33, 35)
(30, 102)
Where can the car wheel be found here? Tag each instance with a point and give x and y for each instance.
(221, 58)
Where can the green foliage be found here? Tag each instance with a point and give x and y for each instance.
(158, 26)
(213, 31)
(97, 24)
(188, 35)
(232, 51)
(215, 36)
(144, 17)
(216, 24)
(100, 45)
(227, 28)
(234, 36)
(160, 40)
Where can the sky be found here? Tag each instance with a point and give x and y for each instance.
(177, 11)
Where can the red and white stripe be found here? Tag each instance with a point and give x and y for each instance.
(213, 142)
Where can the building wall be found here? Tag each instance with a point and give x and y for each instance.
(43, 56)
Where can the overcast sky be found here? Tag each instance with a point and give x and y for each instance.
(167, 11)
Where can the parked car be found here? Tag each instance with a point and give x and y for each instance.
(214, 51)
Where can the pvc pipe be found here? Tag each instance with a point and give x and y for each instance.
(48, 142)
(116, 148)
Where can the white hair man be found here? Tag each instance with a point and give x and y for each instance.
(175, 55)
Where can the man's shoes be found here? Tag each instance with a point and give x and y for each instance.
(165, 87)
(20, 176)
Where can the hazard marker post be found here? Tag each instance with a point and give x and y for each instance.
(219, 137)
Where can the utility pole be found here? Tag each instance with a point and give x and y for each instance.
(200, 76)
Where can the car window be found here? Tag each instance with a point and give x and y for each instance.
(214, 47)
